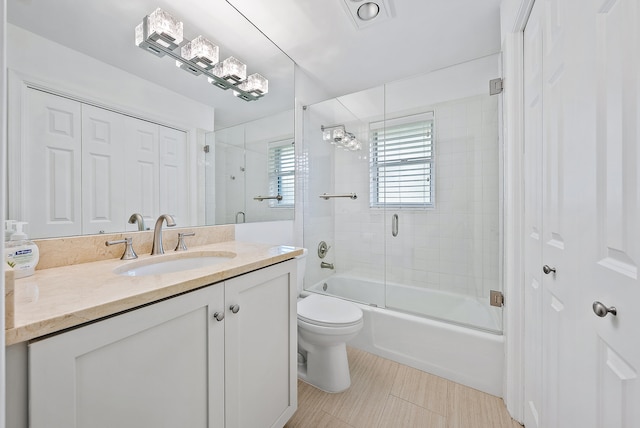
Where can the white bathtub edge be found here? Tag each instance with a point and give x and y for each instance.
(466, 356)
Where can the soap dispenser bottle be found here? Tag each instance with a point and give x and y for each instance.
(20, 253)
(9, 229)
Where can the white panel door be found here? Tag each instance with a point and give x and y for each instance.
(159, 366)
(533, 218)
(260, 350)
(103, 181)
(141, 175)
(590, 204)
(611, 37)
(174, 194)
(51, 192)
(549, 217)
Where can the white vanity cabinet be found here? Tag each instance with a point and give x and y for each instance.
(222, 355)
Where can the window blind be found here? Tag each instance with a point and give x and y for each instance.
(402, 162)
(281, 169)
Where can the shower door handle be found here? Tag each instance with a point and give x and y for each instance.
(394, 225)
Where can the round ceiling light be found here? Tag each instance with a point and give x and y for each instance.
(368, 11)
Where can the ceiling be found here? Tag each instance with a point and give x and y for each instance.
(419, 36)
(319, 35)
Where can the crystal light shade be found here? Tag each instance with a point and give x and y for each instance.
(162, 28)
(338, 135)
(255, 83)
(140, 33)
(161, 34)
(231, 69)
(201, 51)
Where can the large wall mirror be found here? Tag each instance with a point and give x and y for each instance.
(253, 168)
(100, 129)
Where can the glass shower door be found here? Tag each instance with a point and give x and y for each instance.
(336, 206)
(443, 210)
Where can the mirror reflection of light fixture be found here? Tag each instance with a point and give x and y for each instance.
(338, 135)
(160, 33)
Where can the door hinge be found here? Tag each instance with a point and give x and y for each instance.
(206, 148)
(496, 298)
(495, 86)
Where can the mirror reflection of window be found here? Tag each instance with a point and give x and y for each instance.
(281, 167)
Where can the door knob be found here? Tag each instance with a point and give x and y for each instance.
(548, 269)
(219, 316)
(601, 310)
(234, 308)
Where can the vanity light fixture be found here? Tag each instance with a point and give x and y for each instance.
(338, 135)
(161, 34)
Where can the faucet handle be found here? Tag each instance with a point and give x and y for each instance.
(181, 245)
(129, 253)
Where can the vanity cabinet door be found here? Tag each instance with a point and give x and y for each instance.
(261, 347)
(158, 366)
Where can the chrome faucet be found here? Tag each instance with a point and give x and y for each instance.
(243, 216)
(325, 265)
(137, 218)
(157, 233)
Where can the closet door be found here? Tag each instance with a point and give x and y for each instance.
(174, 194)
(610, 109)
(142, 179)
(103, 177)
(50, 195)
(533, 219)
(553, 207)
(585, 358)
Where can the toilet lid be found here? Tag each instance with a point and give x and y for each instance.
(319, 309)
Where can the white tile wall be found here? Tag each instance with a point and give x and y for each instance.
(453, 247)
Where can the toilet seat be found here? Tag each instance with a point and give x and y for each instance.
(328, 311)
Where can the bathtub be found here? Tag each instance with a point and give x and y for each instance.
(418, 337)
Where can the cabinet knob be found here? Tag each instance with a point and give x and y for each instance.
(602, 310)
(219, 316)
(234, 308)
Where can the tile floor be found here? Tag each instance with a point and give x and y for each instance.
(385, 394)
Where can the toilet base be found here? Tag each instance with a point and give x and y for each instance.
(326, 368)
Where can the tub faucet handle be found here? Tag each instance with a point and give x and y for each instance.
(323, 249)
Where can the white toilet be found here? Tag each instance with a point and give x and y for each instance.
(325, 324)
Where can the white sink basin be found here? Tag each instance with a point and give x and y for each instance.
(170, 263)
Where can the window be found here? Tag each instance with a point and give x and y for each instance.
(402, 162)
(281, 173)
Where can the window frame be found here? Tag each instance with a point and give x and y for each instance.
(276, 178)
(378, 166)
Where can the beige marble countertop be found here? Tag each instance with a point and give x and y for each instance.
(54, 299)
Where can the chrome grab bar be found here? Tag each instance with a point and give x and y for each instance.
(394, 225)
(326, 196)
(262, 198)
